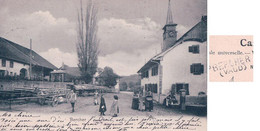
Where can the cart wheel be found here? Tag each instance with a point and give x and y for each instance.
(41, 101)
(20, 102)
(67, 98)
(27, 100)
(55, 102)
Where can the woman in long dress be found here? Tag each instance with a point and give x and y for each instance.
(102, 107)
(96, 98)
(114, 107)
(141, 103)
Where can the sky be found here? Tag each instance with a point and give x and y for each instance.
(130, 31)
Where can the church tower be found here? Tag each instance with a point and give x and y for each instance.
(170, 33)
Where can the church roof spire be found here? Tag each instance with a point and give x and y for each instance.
(169, 19)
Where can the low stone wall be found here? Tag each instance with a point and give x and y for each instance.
(11, 85)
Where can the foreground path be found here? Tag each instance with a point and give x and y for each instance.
(85, 106)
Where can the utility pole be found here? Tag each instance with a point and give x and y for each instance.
(30, 68)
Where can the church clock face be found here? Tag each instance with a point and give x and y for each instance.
(171, 33)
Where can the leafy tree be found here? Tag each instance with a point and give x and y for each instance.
(123, 86)
(108, 77)
(87, 42)
(131, 85)
(138, 83)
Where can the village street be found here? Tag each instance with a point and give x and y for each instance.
(85, 106)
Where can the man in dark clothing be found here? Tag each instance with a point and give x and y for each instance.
(149, 101)
(102, 107)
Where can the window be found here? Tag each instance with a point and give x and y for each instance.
(155, 71)
(194, 49)
(155, 88)
(145, 74)
(173, 90)
(11, 64)
(197, 69)
(201, 93)
(177, 87)
(2, 73)
(151, 87)
(3, 62)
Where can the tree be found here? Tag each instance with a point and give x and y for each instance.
(131, 85)
(87, 43)
(138, 83)
(123, 86)
(108, 77)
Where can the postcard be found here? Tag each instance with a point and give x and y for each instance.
(104, 65)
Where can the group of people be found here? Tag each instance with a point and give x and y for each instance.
(102, 107)
(114, 107)
(170, 100)
(145, 103)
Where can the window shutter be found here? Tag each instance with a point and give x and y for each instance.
(173, 91)
(190, 49)
(186, 87)
(196, 49)
(197, 69)
(156, 88)
(202, 68)
(191, 68)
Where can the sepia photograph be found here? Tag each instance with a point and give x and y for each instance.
(82, 61)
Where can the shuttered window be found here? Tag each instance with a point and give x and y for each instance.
(151, 87)
(145, 74)
(154, 87)
(155, 71)
(197, 69)
(194, 49)
(11, 64)
(173, 91)
(178, 86)
(3, 62)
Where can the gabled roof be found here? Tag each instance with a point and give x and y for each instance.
(65, 69)
(196, 33)
(74, 71)
(15, 52)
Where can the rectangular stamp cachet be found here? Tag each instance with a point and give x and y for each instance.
(231, 58)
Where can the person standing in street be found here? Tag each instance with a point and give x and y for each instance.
(141, 102)
(96, 98)
(72, 99)
(102, 107)
(114, 107)
(149, 101)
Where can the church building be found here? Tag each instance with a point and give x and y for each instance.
(181, 64)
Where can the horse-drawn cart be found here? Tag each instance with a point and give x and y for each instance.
(87, 89)
(52, 96)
